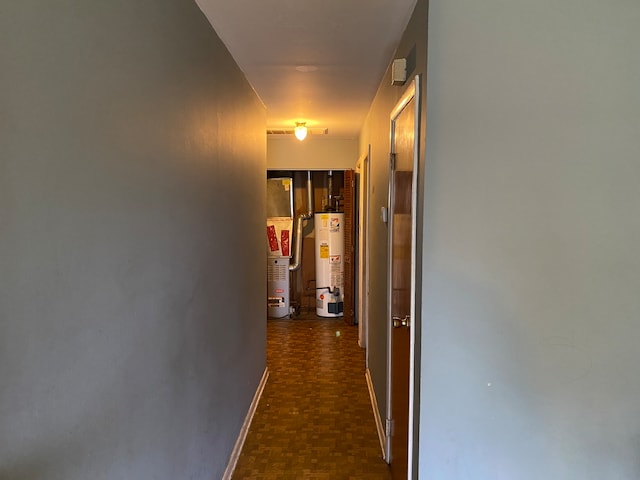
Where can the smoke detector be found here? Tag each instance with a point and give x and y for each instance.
(399, 71)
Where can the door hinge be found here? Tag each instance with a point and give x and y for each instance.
(388, 427)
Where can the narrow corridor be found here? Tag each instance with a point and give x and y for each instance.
(314, 420)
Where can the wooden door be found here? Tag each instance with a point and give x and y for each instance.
(402, 235)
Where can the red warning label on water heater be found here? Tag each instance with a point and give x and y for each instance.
(273, 239)
(284, 241)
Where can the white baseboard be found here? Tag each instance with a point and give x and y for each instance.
(235, 454)
(376, 412)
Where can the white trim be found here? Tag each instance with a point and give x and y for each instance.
(235, 454)
(376, 412)
(363, 259)
(414, 246)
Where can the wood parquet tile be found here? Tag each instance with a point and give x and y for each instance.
(314, 420)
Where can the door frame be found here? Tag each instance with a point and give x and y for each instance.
(364, 167)
(412, 92)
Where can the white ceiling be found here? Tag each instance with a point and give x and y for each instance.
(315, 61)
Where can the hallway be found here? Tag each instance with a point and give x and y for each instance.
(314, 420)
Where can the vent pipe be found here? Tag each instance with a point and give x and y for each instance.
(297, 255)
(330, 191)
(309, 194)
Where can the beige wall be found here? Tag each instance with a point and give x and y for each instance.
(314, 153)
(375, 133)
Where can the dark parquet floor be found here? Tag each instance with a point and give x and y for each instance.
(314, 419)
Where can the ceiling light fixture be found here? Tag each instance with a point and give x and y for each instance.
(301, 130)
(306, 68)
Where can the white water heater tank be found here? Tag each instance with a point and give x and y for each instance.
(329, 233)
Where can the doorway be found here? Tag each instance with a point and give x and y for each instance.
(313, 195)
(403, 174)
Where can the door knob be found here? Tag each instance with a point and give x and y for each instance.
(401, 322)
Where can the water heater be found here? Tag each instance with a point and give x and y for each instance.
(329, 232)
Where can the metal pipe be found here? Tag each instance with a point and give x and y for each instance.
(330, 190)
(309, 194)
(297, 245)
(297, 248)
